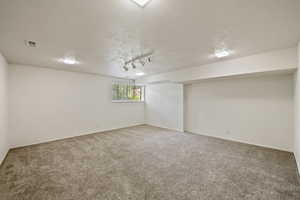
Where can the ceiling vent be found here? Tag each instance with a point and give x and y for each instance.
(30, 43)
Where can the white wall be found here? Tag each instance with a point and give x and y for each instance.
(297, 112)
(4, 146)
(164, 105)
(47, 104)
(273, 61)
(255, 110)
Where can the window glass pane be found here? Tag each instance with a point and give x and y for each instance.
(125, 91)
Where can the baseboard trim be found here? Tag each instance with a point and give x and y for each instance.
(77, 135)
(298, 173)
(5, 157)
(228, 139)
(298, 165)
(165, 128)
(240, 141)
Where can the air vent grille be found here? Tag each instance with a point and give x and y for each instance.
(30, 43)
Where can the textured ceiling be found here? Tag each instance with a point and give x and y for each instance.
(104, 33)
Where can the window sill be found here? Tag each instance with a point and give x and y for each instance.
(127, 101)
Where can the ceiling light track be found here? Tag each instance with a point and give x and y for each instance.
(141, 59)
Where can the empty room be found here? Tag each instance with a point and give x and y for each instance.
(149, 100)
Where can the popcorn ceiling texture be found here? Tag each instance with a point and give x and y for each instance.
(147, 163)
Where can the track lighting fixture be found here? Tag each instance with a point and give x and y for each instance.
(142, 59)
(133, 65)
(125, 68)
(142, 62)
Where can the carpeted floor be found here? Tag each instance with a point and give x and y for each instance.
(147, 163)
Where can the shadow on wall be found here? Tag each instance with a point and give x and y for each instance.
(256, 110)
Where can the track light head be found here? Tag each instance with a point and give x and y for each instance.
(135, 62)
(133, 65)
(142, 62)
(125, 68)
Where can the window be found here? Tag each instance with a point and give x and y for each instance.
(127, 92)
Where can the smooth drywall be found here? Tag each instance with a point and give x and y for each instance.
(254, 110)
(48, 104)
(164, 105)
(274, 61)
(4, 146)
(297, 113)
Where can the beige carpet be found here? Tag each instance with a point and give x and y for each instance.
(147, 163)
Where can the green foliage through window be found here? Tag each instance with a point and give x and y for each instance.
(127, 92)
